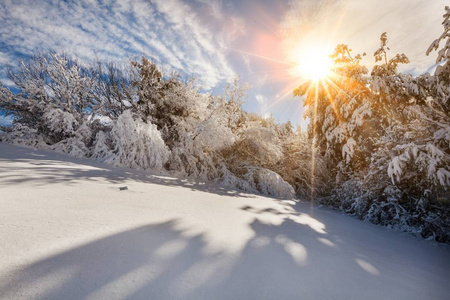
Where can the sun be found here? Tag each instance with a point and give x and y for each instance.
(313, 64)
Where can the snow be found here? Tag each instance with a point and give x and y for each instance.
(68, 232)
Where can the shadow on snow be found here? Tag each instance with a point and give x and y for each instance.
(67, 171)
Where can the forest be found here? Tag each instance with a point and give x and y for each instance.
(377, 144)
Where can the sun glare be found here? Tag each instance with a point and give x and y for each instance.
(313, 64)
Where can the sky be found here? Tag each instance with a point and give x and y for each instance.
(259, 40)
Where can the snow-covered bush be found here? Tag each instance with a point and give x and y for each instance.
(60, 122)
(301, 165)
(270, 183)
(22, 135)
(188, 158)
(136, 144)
(258, 143)
(250, 178)
(102, 148)
(71, 146)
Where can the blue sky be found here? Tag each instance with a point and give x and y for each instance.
(257, 39)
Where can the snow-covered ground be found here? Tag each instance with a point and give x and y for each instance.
(67, 231)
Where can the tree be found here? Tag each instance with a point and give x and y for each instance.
(55, 97)
(338, 110)
(387, 135)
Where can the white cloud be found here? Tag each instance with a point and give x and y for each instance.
(167, 31)
(261, 99)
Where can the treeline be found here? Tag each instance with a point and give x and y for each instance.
(137, 117)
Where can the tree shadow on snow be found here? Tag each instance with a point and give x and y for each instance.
(291, 259)
(290, 254)
(163, 262)
(53, 167)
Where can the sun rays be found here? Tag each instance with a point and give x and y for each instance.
(314, 74)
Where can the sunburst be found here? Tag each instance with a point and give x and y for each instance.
(313, 63)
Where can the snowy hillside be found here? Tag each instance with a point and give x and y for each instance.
(68, 231)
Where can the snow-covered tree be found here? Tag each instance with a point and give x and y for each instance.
(339, 113)
(114, 89)
(55, 96)
(387, 133)
(439, 84)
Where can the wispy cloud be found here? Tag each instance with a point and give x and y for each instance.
(168, 31)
